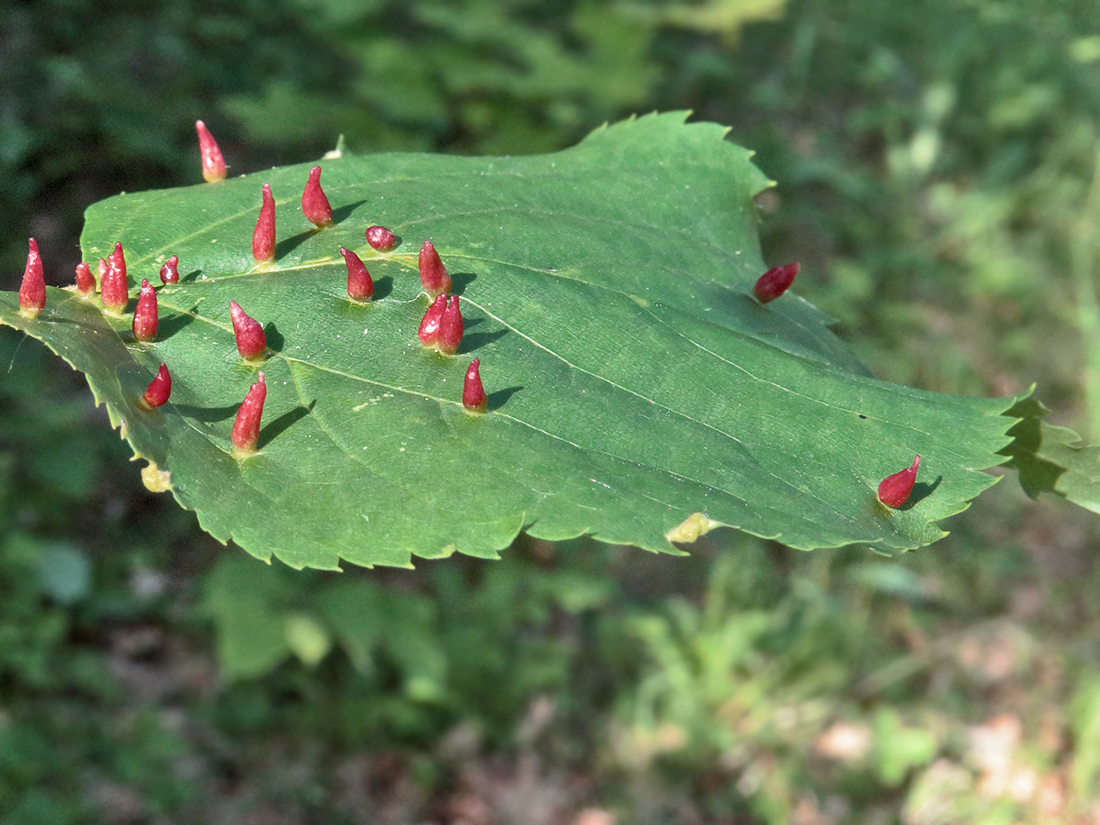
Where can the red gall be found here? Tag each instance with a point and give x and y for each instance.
(360, 285)
(450, 328)
(380, 238)
(428, 333)
(156, 394)
(263, 236)
(315, 205)
(246, 426)
(894, 490)
(32, 292)
(113, 287)
(473, 393)
(213, 164)
(434, 277)
(775, 282)
(118, 258)
(145, 316)
(85, 283)
(251, 340)
(170, 272)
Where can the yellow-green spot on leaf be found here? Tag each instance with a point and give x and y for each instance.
(155, 479)
(691, 528)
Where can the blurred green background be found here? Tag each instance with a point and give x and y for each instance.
(937, 168)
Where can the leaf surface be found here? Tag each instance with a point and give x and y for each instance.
(1052, 459)
(637, 391)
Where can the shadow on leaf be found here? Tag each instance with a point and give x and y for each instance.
(283, 423)
(499, 398)
(207, 415)
(470, 343)
(172, 324)
(460, 280)
(921, 491)
(275, 340)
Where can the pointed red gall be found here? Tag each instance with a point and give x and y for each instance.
(246, 426)
(113, 287)
(894, 490)
(32, 292)
(473, 393)
(315, 205)
(450, 328)
(156, 394)
(251, 340)
(429, 325)
(118, 258)
(263, 236)
(101, 269)
(360, 285)
(145, 316)
(380, 238)
(170, 272)
(433, 275)
(85, 283)
(775, 282)
(213, 164)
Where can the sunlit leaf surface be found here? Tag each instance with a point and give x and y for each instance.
(637, 392)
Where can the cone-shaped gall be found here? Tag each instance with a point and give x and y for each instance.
(434, 277)
(473, 393)
(246, 426)
(775, 282)
(113, 287)
(145, 315)
(360, 285)
(263, 236)
(251, 340)
(380, 238)
(315, 205)
(156, 394)
(213, 164)
(450, 328)
(117, 258)
(32, 292)
(85, 283)
(428, 333)
(894, 490)
(170, 272)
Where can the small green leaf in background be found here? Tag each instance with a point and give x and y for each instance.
(307, 638)
(245, 607)
(900, 747)
(65, 572)
(637, 392)
(1085, 723)
(1052, 459)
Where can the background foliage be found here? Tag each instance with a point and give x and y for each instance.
(936, 162)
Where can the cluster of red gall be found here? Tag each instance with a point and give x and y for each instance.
(440, 329)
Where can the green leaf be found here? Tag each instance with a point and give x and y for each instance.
(637, 392)
(1052, 459)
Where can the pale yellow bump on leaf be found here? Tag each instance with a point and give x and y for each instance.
(155, 479)
(695, 525)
